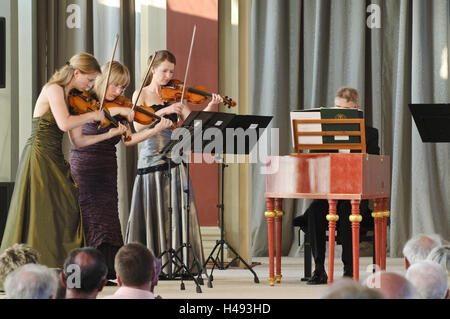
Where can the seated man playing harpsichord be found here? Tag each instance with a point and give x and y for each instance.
(317, 211)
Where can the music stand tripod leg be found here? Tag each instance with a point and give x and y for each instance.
(255, 279)
(217, 261)
(222, 241)
(187, 245)
(173, 254)
(214, 260)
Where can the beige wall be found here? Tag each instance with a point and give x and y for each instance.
(17, 99)
(27, 66)
(234, 81)
(8, 96)
(152, 31)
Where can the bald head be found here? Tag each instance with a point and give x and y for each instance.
(391, 285)
(84, 259)
(88, 264)
(347, 288)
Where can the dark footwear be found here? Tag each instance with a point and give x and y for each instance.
(319, 278)
(110, 283)
(348, 273)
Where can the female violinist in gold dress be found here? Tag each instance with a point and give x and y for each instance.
(44, 211)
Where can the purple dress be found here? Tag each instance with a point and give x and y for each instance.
(94, 168)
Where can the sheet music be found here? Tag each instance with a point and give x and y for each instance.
(314, 115)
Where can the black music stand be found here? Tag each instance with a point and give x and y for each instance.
(432, 121)
(226, 124)
(181, 269)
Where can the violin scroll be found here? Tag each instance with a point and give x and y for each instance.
(229, 101)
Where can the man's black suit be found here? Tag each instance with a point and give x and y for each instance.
(317, 223)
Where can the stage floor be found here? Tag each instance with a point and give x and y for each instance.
(237, 283)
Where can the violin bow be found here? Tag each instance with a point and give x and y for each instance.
(156, 117)
(144, 80)
(109, 72)
(187, 66)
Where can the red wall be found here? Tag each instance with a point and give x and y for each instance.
(182, 15)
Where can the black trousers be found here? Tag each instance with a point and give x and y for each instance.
(318, 225)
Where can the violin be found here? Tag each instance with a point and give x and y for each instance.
(82, 102)
(143, 114)
(172, 91)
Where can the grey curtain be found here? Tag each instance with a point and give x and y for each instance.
(303, 51)
(60, 37)
(58, 41)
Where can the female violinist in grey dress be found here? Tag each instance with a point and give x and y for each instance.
(149, 217)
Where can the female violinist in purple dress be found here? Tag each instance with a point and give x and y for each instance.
(94, 166)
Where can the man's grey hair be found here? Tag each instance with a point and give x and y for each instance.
(31, 281)
(429, 278)
(418, 247)
(441, 256)
(347, 288)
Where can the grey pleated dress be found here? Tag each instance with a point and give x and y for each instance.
(148, 221)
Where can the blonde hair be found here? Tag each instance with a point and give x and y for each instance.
(348, 94)
(15, 256)
(84, 62)
(119, 75)
(160, 57)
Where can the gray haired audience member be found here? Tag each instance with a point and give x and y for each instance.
(15, 256)
(347, 288)
(84, 274)
(429, 278)
(31, 281)
(418, 247)
(441, 256)
(391, 285)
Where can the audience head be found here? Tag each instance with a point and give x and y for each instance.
(347, 97)
(61, 291)
(347, 288)
(134, 266)
(419, 247)
(441, 256)
(31, 281)
(15, 256)
(84, 273)
(391, 285)
(429, 278)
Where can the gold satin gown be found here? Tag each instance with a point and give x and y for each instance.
(44, 211)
